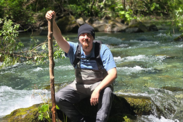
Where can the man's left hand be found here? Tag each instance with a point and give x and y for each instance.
(95, 97)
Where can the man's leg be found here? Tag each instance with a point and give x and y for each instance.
(104, 105)
(65, 98)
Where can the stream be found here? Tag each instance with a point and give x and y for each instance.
(149, 65)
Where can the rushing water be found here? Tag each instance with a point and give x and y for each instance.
(148, 64)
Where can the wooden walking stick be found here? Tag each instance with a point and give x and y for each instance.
(51, 68)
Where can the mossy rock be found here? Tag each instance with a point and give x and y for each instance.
(140, 26)
(132, 64)
(23, 115)
(67, 24)
(140, 106)
(179, 38)
(173, 89)
(121, 107)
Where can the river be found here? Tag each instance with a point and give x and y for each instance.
(149, 64)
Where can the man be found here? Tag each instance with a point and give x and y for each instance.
(95, 70)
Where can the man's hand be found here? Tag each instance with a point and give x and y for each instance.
(50, 14)
(95, 97)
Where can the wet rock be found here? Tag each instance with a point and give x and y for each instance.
(137, 27)
(68, 24)
(90, 20)
(100, 27)
(179, 38)
(121, 107)
(132, 22)
(117, 19)
(119, 27)
(133, 30)
(132, 64)
(80, 21)
(23, 115)
(152, 28)
(173, 89)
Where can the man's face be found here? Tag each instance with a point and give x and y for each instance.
(86, 41)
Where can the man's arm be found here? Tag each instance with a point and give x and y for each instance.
(112, 74)
(63, 44)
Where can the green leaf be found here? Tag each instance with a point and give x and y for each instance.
(44, 46)
(40, 117)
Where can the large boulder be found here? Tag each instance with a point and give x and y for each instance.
(23, 115)
(80, 21)
(90, 20)
(121, 107)
(136, 27)
(109, 26)
(152, 28)
(68, 24)
(179, 38)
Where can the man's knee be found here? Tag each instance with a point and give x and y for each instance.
(108, 91)
(59, 97)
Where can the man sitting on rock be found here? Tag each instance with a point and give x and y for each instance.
(95, 71)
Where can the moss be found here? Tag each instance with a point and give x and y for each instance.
(67, 24)
(23, 114)
(121, 107)
(140, 105)
(179, 38)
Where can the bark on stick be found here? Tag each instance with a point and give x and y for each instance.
(51, 68)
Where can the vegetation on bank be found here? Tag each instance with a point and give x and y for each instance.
(24, 14)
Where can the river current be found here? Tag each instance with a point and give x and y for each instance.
(149, 65)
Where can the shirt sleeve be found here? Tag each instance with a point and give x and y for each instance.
(107, 58)
(72, 51)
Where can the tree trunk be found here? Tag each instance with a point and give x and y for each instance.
(51, 68)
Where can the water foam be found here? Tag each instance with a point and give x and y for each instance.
(143, 58)
(12, 99)
(68, 67)
(136, 69)
(152, 118)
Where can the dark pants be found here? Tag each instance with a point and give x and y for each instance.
(67, 96)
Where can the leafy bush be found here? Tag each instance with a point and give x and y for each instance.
(9, 42)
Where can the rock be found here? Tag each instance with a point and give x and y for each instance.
(109, 26)
(133, 30)
(179, 38)
(121, 107)
(106, 18)
(117, 19)
(119, 27)
(132, 22)
(99, 27)
(23, 115)
(80, 21)
(137, 27)
(68, 24)
(152, 28)
(173, 89)
(29, 114)
(90, 20)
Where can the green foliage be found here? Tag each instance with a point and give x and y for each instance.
(44, 111)
(9, 42)
(127, 15)
(11, 48)
(126, 119)
(178, 14)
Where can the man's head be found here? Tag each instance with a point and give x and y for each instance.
(86, 28)
(86, 35)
